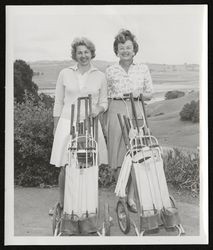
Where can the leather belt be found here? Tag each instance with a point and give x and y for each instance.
(124, 98)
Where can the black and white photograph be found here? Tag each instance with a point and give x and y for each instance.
(105, 142)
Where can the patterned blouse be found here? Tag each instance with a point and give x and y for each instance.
(137, 80)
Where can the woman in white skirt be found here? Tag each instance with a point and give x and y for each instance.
(73, 82)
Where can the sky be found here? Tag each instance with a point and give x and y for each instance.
(170, 34)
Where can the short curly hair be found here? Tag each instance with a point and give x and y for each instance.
(82, 41)
(123, 36)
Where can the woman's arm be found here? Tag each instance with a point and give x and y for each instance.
(148, 87)
(102, 100)
(56, 119)
(59, 100)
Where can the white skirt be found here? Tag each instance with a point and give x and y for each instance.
(59, 155)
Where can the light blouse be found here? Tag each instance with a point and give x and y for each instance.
(137, 80)
(71, 85)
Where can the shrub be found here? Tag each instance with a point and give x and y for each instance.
(47, 100)
(174, 94)
(182, 170)
(195, 115)
(106, 177)
(190, 112)
(33, 126)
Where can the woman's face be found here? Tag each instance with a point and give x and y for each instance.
(83, 55)
(126, 50)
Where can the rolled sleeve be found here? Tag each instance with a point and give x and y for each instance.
(103, 101)
(59, 96)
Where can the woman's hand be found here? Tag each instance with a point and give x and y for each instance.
(96, 110)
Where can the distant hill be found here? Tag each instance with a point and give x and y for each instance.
(164, 117)
(100, 64)
(46, 72)
(173, 105)
(165, 124)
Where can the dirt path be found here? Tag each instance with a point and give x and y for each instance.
(32, 206)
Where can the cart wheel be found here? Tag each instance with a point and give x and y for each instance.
(173, 202)
(123, 216)
(56, 219)
(107, 219)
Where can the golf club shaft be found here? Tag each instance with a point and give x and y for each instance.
(134, 111)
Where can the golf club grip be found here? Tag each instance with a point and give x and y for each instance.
(78, 114)
(126, 123)
(72, 118)
(96, 128)
(89, 124)
(128, 120)
(81, 128)
(90, 110)
(85, 126)
(78, 127)
(144, 111)
(86, 114)
(126, 140)
(90, 104)
(134, 111)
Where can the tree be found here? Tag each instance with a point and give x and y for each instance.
(23, 81)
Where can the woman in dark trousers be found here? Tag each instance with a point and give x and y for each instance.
(124, 77)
